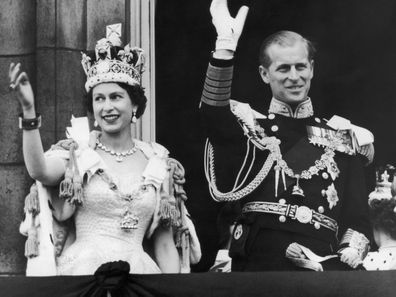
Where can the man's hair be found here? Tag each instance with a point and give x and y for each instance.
(283, 38)
(383, 215)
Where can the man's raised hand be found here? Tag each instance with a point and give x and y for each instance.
(228, 29)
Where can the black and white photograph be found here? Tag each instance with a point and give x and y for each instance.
(197, 148)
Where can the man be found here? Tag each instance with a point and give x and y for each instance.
(299, 180)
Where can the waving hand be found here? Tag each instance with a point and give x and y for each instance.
(19, 82)
(228, 29)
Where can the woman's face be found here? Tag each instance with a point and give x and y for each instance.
(112, 107)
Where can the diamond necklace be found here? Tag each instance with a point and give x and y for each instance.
(119, 156)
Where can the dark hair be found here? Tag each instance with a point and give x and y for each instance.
(283, 38)
(383, 215)
(136, 93)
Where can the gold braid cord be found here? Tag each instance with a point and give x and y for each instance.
(237, 193)
(270, 144)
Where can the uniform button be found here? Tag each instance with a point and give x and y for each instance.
(282, 219)
(325, 175)
(282, 201)
(317, 226)
(321, 209)
(274, 128)
(323, 193)
(271, 116)
(317, 120)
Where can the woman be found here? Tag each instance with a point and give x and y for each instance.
(116, 188)
(383, 219)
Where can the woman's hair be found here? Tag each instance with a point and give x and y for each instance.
(136, 93)
(383, 215)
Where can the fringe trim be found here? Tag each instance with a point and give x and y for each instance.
(32, 204)
(71, 188)
(32, 243)
(66, 189)
(168, 211)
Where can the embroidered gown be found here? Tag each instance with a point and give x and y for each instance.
(117, 213)
(99, 237)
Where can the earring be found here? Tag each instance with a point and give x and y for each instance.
(96, 124)
(134, 119)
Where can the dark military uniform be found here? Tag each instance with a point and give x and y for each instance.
(333, 201)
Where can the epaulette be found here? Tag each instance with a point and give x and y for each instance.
(247, 118)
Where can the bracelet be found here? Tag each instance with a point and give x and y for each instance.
(30, 124)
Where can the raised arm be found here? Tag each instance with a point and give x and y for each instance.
(47, 170)
(220, 122)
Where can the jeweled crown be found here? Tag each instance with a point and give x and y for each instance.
(111, 62)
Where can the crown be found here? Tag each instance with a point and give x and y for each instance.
(382, 189)
(113, 63)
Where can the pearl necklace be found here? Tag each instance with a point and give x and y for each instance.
(119, 156)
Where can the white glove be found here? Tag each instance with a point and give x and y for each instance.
(350, 256)
(228, 29)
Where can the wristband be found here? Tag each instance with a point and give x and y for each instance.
(30, 124)
(226, 43)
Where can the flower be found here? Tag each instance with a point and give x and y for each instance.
(332, 196)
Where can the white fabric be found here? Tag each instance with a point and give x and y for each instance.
(99, 238)
(383, 259)
(44, 264)
(222, 263)
(362, 135)
(79, 131)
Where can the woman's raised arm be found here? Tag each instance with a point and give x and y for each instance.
(47, 170)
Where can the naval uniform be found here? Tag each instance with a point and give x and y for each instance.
(329, 211)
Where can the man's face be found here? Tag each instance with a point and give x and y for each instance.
(290, 72)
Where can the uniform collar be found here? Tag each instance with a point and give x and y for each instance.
(303, 110)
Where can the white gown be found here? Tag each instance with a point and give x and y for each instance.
(99, 237)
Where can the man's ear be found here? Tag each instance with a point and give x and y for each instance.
(312, 67)
(264, 74)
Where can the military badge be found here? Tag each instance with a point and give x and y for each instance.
(238, 232)
(326, 137)
(332, 195)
